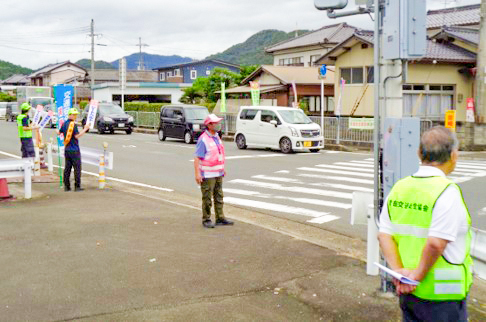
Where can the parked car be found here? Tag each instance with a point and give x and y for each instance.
(110, 118)
(284, 128)
(12, 111)
(3, 109)
(182, 122)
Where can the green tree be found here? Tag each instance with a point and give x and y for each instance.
(4, 97)
(191, 95)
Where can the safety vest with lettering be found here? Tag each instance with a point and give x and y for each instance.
(410, 206)
(23, 134)
(213, 161)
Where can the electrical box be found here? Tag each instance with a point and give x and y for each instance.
(330, 4)
(401, 139)
(404, 29)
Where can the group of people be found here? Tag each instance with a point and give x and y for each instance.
(425, 226)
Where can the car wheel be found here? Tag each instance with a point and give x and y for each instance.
(161, 135)
(100, 130)
(129, 131)
(241, 142)
(286, 145)
(314, 150)
(188, 137)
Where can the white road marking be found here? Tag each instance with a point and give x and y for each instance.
(468, 166)
(246, 193)
(279, 179)
(363, 162)
(320, 220)
(333, 152)
(342, 186)
(282, 171)
(459, 173)
(478, 163)
(370, 159)
(347, 179)
(459, 179)
(352, 164)
(461, 169)
(277, 207)
(349, 173)
(341, 168)
(107, 178)
(318, 202)
(276, 186)
(129, 146)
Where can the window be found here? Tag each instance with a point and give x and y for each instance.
(177, 72)
(427, 101)
(208, 72)
(248, 114)
(162, 76)
(193, 74)
(281, 62)
(370, 74)
(353, 75)
(169, 74)
(295, 61)
(267, 116)
(168, 112)
(178, 114)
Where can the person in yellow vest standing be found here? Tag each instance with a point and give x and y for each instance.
(25, 132)
(209, 171)
(425, 234)
(72, 153)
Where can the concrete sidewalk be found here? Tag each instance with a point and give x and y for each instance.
(133, 254)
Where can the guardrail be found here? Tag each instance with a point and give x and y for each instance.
(145, 119)
(10, 168)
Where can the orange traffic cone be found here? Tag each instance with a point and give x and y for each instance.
(4, 194)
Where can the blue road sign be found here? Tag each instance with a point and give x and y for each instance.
(323, 70)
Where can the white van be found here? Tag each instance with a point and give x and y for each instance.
(284, 128)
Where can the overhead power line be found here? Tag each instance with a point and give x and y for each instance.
(43, 51)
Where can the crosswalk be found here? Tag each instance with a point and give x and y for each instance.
(321, 193)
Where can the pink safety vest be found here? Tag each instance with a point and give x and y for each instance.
(214, 159)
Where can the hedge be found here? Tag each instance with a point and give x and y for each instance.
(143, 107)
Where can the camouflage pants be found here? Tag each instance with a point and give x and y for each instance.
(212, 188)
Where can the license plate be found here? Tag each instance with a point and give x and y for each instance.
(307, 144)
(121, 124)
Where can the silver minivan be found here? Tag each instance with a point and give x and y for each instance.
(276, 127)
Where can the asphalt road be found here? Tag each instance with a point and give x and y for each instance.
(312, 188)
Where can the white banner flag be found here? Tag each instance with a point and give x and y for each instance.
(93, 108)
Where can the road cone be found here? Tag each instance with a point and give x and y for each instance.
(4, 194)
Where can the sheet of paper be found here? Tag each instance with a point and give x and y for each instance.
(398, 276)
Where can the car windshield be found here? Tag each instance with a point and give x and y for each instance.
(40, 101)
(294, 116)
(196, 113)
(111, 109)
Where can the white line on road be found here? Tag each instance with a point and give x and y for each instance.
(246, 193)
(107, 178)
(363, 162)
(318, 202)
(468, 166)
(347, 179)
(279, 179)
(282, 171)
(320, 220)
(277, 207)
(352, 164)
(342, 168)
(349, 173)
(276, 186)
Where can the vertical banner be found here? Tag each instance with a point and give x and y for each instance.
(294, 88)
(340, 102)
(450, 120)
(223, 97)
(470, 110)
(63, 95)
(93, 108)
(255, 93)
(38, 113)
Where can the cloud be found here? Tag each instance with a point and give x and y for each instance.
(49, 31)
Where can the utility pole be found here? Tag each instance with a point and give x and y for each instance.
(481, 67)
(141, 65)
(92, 59)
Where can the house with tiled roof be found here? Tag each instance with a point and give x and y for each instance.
(56, 74)
(304, 50)
(187, 73)
(16, 80)
(439, 81)
(457, 16)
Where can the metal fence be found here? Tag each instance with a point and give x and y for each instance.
(145, 119)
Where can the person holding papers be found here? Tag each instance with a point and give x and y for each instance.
(425, 234)
(72, 153)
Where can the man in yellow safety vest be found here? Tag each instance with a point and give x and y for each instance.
(425, 234)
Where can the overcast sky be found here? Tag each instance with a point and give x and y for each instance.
(35, 33)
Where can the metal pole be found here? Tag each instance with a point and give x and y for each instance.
(376, 133)
(322, 106)
(338, 128)
(92, 59)
(481, 67)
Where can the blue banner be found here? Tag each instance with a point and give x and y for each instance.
(63, 94)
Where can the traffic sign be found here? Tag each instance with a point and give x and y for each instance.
(323, 71)
(450, 120)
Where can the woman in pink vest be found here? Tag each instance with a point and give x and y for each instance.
(209, 171)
